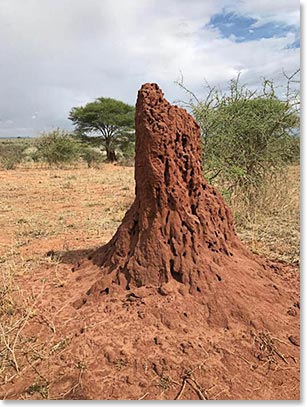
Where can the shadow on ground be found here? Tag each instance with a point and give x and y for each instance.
(70, 256)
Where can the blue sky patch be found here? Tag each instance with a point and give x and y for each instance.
(296, 43)
(242, 29)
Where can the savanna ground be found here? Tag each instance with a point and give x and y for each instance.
(52, 217)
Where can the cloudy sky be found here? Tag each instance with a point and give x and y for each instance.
(56, 54)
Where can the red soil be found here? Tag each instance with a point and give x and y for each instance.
(175, 306)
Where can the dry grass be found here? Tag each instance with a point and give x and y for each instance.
(45, 210)
(271, 226)
(81, 207)
(77, 209)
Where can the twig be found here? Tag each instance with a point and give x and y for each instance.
(11, 350)
(200, 389)
(50, 324)
(184, 382)
(19, 331)
(75, 386)
(36, 371)
(242, 357)
(267, 343)
(280, 340)
(207, 354)
(144, 395)
(280, 355)
(196, 388)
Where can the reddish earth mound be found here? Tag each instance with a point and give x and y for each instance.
(175, 306)
(178, 228)
(179, 233)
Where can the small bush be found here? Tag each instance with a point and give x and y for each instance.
(11, 155)
(92, 157)
(57, 147)
(127, 150)
(248, 135)
(127, 147)
(34, 155)
(126, 161)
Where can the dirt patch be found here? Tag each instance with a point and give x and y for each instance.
(141, 344)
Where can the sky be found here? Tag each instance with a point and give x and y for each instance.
(57, 54)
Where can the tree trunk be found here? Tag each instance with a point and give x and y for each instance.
(111, 156)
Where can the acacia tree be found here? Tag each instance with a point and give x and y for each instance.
(111, 119)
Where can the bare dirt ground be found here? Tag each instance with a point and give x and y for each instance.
(131, 346)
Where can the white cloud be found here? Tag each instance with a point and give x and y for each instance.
(58, 54)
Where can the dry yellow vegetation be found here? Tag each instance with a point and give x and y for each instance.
(80, 208)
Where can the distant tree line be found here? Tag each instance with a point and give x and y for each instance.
(104, 132)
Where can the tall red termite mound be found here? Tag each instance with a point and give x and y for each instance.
(178, 236)
(178, 229)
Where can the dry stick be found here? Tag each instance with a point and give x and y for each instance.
(75, 386)
(185, 378)
(19, 331)
(7, 344)
(242, 357)
(280, 340)
(36, 371)
(181, 390)
(198, 391)
(207, 354)
(199, 387)
(274, 349)
(50, 324)
(281, 356)
(11, 350)
(142, 398)
(269, 343)
(270, 361)
(189, 372)
(219, 393)
(13, 327)
(5, 381)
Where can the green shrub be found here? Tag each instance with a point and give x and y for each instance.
(91, 156)
(247, 134)
(11, 155)
(57, 147)
(126, 161)
(127, 150)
